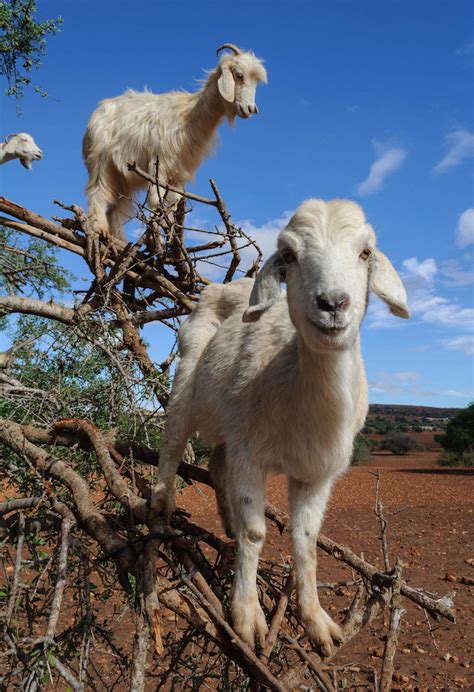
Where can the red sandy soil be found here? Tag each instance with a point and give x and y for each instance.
(433, 538)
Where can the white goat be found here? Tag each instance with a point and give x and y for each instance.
(177, 128)
(20, 146)
(285, 395)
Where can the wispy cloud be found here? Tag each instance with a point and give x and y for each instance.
(465, 228)
(395, 383)
(387, 161)
(421, 348)
(468, 396)
(466, 49)
(461, 343)
(453, 274)
(266, 234)
(425, 303)
(460, 145)
(425, 270)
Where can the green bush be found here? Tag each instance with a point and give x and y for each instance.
(458, 440)
(456, 458)
(399, 443)
(362, 448)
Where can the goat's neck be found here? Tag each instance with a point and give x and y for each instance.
(207, 109)
(329, 379)
(5, 153)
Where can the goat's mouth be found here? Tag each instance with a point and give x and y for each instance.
(333, 330)
(242, 113)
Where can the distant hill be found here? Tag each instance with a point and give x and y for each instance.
(411, 411)
(384, 418)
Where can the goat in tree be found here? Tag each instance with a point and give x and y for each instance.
(21, 146)
(176, 128)
(276, 384)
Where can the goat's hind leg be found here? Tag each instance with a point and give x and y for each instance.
(218, 472)
(175, 439)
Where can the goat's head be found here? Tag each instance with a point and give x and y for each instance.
(238, 76)
(327, 256)
(23, 147)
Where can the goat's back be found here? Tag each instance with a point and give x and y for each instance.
(217, 303)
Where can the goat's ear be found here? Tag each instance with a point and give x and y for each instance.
(226, 84)
(387, 285)
(266, 289)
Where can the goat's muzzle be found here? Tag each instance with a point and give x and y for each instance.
(335, 301)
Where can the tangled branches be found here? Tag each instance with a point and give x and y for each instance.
(94, 593)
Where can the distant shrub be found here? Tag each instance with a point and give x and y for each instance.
(458, 440)
(362, 448)
(383, 425)
(399, 443)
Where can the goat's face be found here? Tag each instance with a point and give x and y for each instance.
(24, 147)
(327, 257)
(239, 76)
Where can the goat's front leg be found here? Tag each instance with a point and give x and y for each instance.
(307, 504)
(247, 497)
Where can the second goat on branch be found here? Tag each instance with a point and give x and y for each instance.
(176, 128)
(276, 384)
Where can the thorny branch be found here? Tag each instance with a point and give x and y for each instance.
(86, 494)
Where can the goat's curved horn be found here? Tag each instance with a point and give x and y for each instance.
(230, 46)
(9, 137)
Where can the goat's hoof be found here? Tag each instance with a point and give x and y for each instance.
(323, 632)
(162, 503)
(250, 624)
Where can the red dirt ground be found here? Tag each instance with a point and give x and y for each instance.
(433, 538)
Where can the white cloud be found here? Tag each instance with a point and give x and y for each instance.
(461, 343)
(465, 229)
(265, 235)
(387, 161)
(466, 49)
(406, 382)
(421, 348)
(461, 147)
(440, 311)
(459, 395)
(426, 270)
(454, 275)
(424, 302)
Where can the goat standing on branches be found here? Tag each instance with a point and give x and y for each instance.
(286, 393)
(176, 128)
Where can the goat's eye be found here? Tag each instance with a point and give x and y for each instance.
(287, 256)
(239, 75)
(365, 254)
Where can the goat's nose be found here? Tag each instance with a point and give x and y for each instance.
(332, 302)
(250, 109)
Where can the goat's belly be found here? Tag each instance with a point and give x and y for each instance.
(308, 462)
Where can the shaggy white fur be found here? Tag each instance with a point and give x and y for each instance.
(178, 128)
(276, 384)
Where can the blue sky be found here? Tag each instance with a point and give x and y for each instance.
(367, 100)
